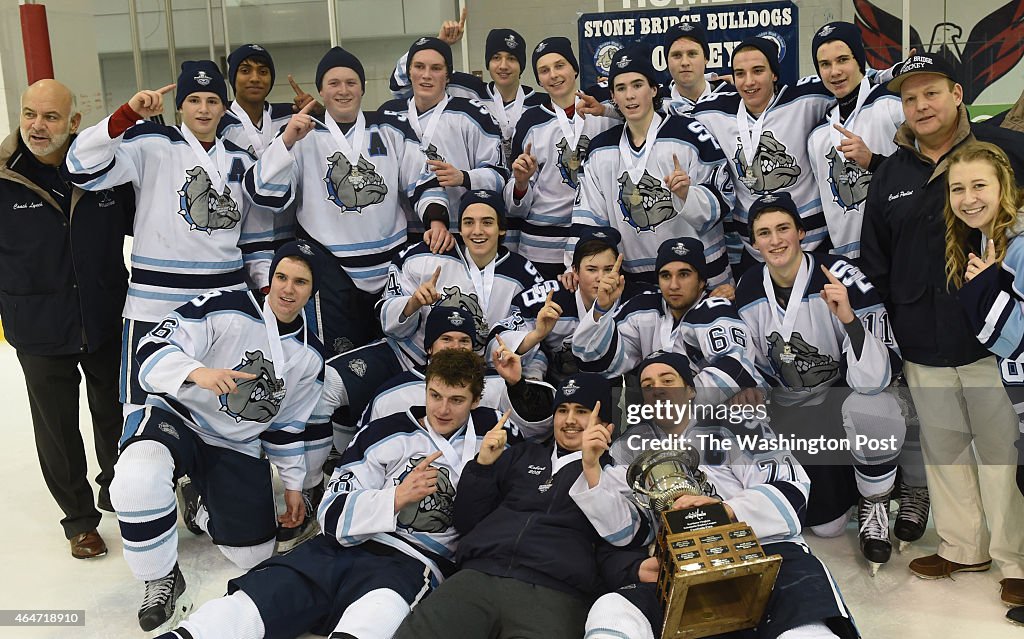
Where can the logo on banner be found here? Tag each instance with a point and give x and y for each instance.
(603, 57)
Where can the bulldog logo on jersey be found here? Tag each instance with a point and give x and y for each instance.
(453, 297)
(434, 513)
(203, 208)
(569, 160)
(807, 367)
(258, 399)
(353, 187)
(848, 180)
(645, 205)
(773, 168)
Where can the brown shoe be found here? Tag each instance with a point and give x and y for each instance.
(88, 545)
(1012, 592)
(935, 567)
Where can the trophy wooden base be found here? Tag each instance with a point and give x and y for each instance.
(714, 580)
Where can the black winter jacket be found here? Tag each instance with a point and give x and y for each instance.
(62, 275)
(903, 247)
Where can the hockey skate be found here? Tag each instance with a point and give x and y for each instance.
(189, 502)
(165, 602)
(912, 518)
(873, 518)
(289, 538)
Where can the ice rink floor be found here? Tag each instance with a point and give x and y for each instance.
(38, 571)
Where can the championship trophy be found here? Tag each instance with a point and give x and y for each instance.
(715, 577)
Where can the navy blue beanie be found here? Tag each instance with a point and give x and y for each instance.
(445, 319)
(249, 52)
(676, 361)
(683, 249)
(845, 32)
(778, 201)
(499, 40)
(586, 389)
(436, 44)
(302, 250)
(493, 199)
(635, 58)
(555, 44)
(338, 57)
(200, 76)
(692, 30)
(765, 46)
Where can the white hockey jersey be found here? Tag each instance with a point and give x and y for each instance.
(843, 184)
(543, 217)
(186, 233)
(356, 213)
(464, 135)
(501, 282)
(710, 334)
(359, 503)
(642, 209)
(263, 231)
(757, 475)
(269, 413)
(820, 352)
(780, 159)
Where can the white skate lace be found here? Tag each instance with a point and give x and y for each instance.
(875, 517)
(158, 591)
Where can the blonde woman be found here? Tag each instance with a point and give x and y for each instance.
(983, 196)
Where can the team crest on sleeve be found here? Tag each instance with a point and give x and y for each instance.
(806, 366)
(848, 181)
(569, 160)
(358, 366)
(203, 208)
(434, 513)
(645, 205)
(453, 297)
(773, 168)
(258, 399)
(170, 430)
(353, 187)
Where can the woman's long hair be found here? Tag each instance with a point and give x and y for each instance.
(1004, 221)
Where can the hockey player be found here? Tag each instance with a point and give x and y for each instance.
(251, 123)
(349, 175)
(525, 543)
(806, 344)
(550, 312)
(762, 129)
(767, 489)
(504, 385)
(654, 178)
(549, 148)
(983, 195)
(479, 274)
(190, 201)
(459, 140)
(682, 317)
(230, 378)
(686, 54)
(387, 518)
(853, 137)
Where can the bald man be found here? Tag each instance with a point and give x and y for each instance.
(62, 287)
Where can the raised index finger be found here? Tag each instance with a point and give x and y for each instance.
(463, 16)
(309, 105)
(429, 460)
(529, 148)
(618, 264)
(166, 89)
(848, 133)
(831, 278)
(595, 414)
(436, 276)
(501, 422)
(501, 343)
(675, 161)
(295, 85)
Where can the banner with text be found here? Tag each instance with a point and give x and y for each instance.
(602, 34)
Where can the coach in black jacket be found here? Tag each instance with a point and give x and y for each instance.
(528, 556)
(62, 287)
(953, 379)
